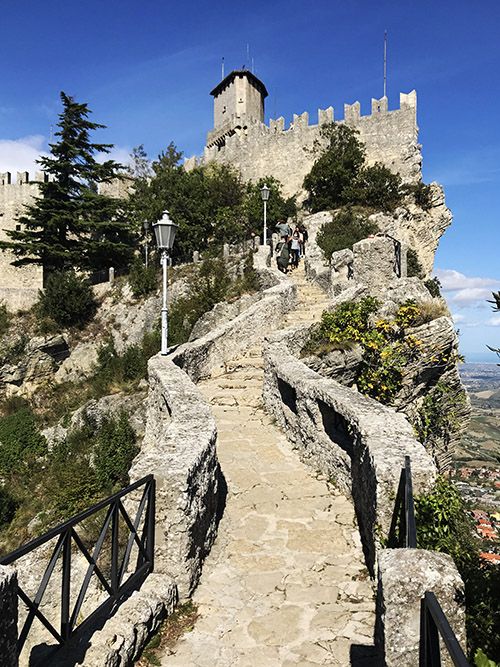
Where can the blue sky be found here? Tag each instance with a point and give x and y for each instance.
(146, 69)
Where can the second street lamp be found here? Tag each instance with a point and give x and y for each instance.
(165, 231)
(264, 193)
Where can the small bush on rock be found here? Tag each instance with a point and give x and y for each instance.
(4, 319)
(345, 229)
(142, 279)
(7, 507)
(67, 299)
(20, 441)
(434, 286)
(414, 267)
(114, 452)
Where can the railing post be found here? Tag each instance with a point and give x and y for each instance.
(66, 585)
(114, 548)
(151, 524)
(410, 525)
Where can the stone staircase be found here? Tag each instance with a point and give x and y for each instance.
(285, 583)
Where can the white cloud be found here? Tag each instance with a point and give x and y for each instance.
(454, 280)
(469, 296)
(21, 154)
(494, 321)
(119, 154)
(457, 317)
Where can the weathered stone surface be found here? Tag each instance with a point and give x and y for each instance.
(340, 365)
(79, 365)
(222, 313)
(347, 436)
(179, 449)
(374, 263)
(316, 267)
(207, 355)
(129, 319)
(124, 636)
(404, 576)
(8, 617)
(420, 229)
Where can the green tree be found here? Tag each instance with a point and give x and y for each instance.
(279, 207)
(71, 224)
(67, 299)
(376, 187)
(335, 169)
(346, 228)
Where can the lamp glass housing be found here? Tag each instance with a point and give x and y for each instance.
(165, 231)
(264, 192)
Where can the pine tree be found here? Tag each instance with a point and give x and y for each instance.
(71, 225)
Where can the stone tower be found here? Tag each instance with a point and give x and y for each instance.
(238, 103)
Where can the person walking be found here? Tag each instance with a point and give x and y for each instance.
(305, 236)
(282, 255)
(295, 247)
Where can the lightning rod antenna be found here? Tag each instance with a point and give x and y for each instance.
(385, 63)
(222, 68)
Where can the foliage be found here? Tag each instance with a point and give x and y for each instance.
(344, 230)
(335, 170)
(20, 441)
(68, 300)
(422, 194)
(434, 286)
(212, 285)
(439, 415)
(339, 177)
(414, 267)
(4, 319)
(482, 660)
(211, 204)
(7, 507)
(71, 224)
(140, 165)
(142, 279)
(114, 452)
(278, 207)
(444, 525)
(375, 187)
(386, 344)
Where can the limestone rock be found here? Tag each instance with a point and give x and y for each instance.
(340, 365)
(79, 365)
(404, 576)
(222, 313)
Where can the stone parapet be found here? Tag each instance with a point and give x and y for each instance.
(351, 438)
(207, 355)
(404, 575)
(179, 449)
(8, 616)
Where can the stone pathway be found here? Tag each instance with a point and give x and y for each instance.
(285, 583)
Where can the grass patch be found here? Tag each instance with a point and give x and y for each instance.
(171, 630)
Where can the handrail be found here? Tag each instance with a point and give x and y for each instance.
(433, 623)
(116, 583)
(404, 513)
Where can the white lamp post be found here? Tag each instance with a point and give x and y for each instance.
(264, 193)
(146, 236)
(165, 231)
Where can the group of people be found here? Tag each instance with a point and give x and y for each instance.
(291, 246)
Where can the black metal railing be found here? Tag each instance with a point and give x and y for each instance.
(403, 531)
(116, 538)
(433, 623)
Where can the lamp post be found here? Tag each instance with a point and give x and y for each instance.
(264, 193)
(165, 231)
(146, 247)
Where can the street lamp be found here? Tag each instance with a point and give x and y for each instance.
(146, 235)
(264, 193)
(165, 231)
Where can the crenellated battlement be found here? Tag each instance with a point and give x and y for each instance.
(23, 178)
(287, 151)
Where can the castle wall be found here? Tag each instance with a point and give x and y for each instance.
(18, 286)
(390, 137)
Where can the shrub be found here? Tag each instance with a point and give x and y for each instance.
(345, 229)
(20, 440)
(142, 279)
(375, 187)
(335, 170)
(114, 452)
(421, 193)
(444, 525)
(67, 299)
(414, 267)
(7, 507)
(439, 415)
(434, 286)
(4, 319)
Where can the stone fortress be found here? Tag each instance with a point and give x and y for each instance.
(242, 139)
